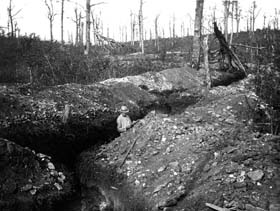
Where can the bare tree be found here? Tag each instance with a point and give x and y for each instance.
(226, 16)
(81, 34)
(87, 27)
(97, 27)
(51, 15)
(253, 16)
(174, 27)
(206, 63)
(132, 27)
(264, 20)
(12, 16)
(62, 21)
(88, 23)
(170, 29)
(156, 33)
(141, 27)
(237, 16)
(233, 6)
(197, 33)
(77, 21)
(276, 19)
(182, 29)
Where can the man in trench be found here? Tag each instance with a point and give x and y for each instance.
(123, 121)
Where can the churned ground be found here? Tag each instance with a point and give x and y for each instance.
(209, 153)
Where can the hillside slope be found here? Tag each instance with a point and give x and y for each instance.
(209, 153)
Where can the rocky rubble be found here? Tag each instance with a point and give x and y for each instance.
(30, 180)
(209, 153)
(94, 108)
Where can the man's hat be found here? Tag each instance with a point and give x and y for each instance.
(124, 109)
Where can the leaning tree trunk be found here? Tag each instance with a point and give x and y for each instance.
(197, 33)
(87, 27)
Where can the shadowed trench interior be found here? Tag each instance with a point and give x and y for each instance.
(70, 140)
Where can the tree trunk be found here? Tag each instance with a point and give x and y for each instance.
(254, 16)
(232, 17)
(11, 20)
(141, 27)
(197, 33)
(51, 29)
(62, 21)
(132, 27)
(206, 63)
(51, 15)
(94, 28)
(77, 27)
(173, 28)
(81, 31)
(156, 33)
(87, 27)
(238, 17)
(226, 14)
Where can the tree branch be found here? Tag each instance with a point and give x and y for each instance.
(92, 5)
(248, 46)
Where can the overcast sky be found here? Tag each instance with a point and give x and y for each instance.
(116, 14)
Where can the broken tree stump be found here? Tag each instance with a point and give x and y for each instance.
(225, 50)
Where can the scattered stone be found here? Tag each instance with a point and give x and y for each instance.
(51, 166)
(159, 187)
(33, 191)
(256, 175)
(58, 186)
(250, 207)
(137, 182)
(274, 207)
(161, 169)
(155, 153)
(26, 187)
(174, 164)
(168, 149)
(167, 203)
(167, 209)
(181, 188)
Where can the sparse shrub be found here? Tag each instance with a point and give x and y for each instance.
(267, 80)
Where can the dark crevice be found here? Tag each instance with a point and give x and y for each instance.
(65, 143)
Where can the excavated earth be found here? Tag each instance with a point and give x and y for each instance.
(208, 153)
(192, 146)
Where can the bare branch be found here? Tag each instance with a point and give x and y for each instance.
(17, 13)
(92, 5)
(248, 46)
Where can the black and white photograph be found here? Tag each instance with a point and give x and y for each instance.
(139, 105)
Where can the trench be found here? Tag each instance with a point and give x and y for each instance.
(122, 198)
(65, 146)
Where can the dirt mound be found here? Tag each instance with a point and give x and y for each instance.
(30, 181)
(209, 153)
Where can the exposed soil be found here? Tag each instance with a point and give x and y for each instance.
(209, 153)
(191, 146)
(30, 180)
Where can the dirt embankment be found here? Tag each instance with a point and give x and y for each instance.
(30, 180)
(36, 120)
(208, 153)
